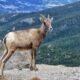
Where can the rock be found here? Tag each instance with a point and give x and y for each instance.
(45, 72)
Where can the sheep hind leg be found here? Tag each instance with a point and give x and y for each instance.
(5, 53)
(1, 68)
(4, 60)
(1, 63)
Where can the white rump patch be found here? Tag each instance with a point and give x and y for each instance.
(10, 36)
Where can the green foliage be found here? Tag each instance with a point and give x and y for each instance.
(52, 55)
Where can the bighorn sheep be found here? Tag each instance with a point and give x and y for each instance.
(29, 39)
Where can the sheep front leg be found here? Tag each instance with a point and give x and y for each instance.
(33, 60)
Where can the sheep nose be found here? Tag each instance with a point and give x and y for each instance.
(51, 28)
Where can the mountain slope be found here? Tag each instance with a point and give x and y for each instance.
(62, 45)
(65, 20)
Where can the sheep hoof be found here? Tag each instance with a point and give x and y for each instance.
(31, 68)
(36, 69)
(1, 73)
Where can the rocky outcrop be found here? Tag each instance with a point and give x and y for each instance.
(45, 72)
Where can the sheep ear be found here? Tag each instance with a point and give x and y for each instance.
(42, 18)
(52, 19)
